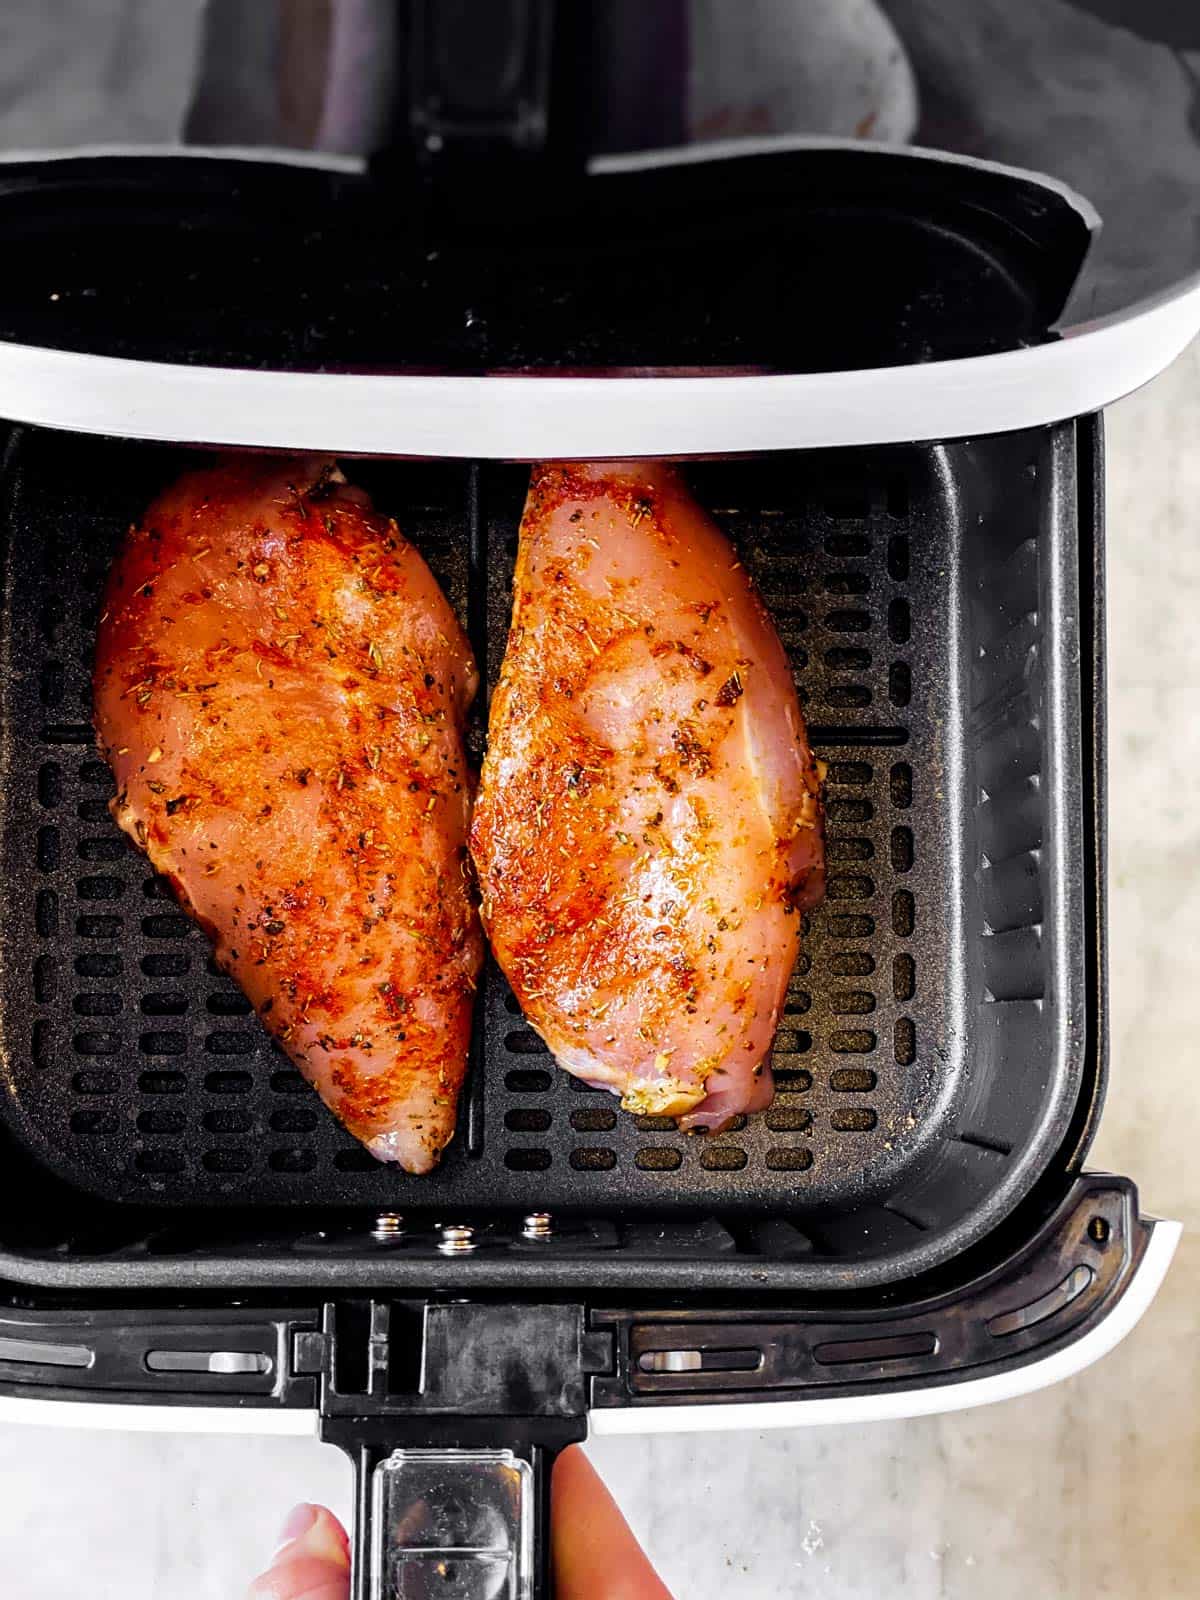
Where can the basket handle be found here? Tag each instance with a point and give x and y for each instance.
(453, 1414)
(459, 1522)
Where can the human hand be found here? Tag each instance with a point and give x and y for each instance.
(595, 1555)
(312, 1561)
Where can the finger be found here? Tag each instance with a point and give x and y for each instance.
(312, 1563)
(595, 1555)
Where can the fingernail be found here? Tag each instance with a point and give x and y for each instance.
(298, 1521)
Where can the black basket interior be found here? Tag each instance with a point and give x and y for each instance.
(933, 1048)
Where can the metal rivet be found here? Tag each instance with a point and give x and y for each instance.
(1099, 1229)
(388, 1225)
(457, 1239)
(538, 1225)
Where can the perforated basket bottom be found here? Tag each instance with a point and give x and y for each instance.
(136, 1071)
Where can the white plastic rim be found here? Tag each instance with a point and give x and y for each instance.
(552, 418)
(886, 1405)
(549, 417)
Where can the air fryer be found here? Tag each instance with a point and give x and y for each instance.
(909, 1226)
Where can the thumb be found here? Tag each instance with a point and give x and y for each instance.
(312, 1563)
(596, 1557)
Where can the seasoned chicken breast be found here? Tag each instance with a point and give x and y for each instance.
(280, 689)
(648, 826)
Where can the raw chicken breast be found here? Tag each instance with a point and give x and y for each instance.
(280, 689)
(648, 826)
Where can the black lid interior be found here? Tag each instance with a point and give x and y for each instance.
(800, 261)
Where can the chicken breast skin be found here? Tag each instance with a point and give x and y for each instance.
(648, 826)
(280, 688)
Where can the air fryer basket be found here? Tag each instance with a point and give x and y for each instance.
(933, 1050)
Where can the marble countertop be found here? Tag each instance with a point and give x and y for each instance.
(1087, 1489)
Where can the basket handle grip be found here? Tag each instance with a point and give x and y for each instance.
(466, 1521)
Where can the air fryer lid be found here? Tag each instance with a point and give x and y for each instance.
(801, 261)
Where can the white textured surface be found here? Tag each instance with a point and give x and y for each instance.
(1086, 1490)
